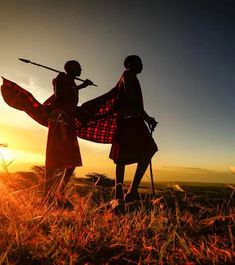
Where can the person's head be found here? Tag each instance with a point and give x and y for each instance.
(73, 68)
(134, 63)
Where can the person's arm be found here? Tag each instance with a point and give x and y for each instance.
(86, 83)
(134, 96)
(152, 123)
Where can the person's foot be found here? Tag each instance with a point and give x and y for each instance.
(132, 196)
(117, 206)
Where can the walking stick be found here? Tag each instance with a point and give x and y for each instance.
(151, 171)
(49, 68)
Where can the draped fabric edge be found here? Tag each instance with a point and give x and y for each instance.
(95, 120)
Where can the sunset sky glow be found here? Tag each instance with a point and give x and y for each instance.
(188, 80)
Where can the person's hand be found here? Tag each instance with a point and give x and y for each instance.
(87, 82)
(152, 123)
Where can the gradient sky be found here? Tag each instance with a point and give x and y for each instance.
(188, 80)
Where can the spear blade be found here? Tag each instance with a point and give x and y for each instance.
(24, 60)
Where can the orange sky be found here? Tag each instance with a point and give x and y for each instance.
(27, 148)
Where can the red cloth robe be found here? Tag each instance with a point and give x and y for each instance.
(62, 145)
(133, 141)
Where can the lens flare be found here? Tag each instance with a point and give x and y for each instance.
(232, 169)
(6, 157)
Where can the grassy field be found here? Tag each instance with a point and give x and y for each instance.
(192, 227)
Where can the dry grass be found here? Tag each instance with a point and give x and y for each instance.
(197, 227)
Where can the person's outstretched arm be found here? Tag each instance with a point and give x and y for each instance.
(86, 83)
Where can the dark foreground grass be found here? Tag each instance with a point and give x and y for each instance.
(195, 227)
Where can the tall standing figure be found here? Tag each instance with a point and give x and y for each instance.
(62, 150)
(133, 142)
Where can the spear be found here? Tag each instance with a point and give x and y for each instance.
(49, 68)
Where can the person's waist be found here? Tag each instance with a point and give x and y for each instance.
(128, 115)
(61, 116)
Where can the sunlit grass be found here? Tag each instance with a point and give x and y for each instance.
(196, 227)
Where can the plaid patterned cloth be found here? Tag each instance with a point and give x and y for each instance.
(100, 118)
(96, 120)
(19, 98)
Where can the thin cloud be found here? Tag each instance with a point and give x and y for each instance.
(191, 169)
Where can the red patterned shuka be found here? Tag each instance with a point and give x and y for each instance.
(95, 120)
(100, 120)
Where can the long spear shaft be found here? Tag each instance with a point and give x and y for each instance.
(49, 68)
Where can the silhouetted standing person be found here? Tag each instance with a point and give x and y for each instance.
(62, 145)
(133, 142)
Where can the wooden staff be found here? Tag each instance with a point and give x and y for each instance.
(151, 172)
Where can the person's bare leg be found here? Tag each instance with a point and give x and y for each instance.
(120, 170)
(49, 179)
(66, 178)
(50, 184)
(140, 170)
(56, 191)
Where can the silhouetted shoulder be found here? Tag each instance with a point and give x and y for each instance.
(130, 83)
(129, 75)
(62, 81)
(62, 76)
